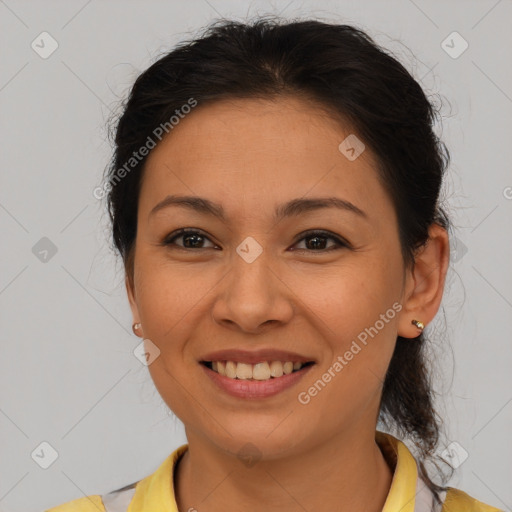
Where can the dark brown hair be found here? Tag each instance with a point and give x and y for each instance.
(344, 70)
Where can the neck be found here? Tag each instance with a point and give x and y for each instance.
(347, 473)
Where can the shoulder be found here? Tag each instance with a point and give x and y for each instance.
(91, 503)
(153, 489)
(458, 501)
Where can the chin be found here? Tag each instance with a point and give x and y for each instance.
(250, 440)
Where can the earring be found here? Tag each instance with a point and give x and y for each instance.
(135, 327)
(418, 324)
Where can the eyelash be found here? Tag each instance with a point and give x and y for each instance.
(169, 240)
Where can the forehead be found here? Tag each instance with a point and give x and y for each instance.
(260, 152)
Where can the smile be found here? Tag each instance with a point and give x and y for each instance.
(261, 371)
(261, 380)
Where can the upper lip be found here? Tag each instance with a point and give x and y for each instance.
(256, 356)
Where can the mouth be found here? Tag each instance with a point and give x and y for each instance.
(257, 380)
(255, 374)
(261, 371)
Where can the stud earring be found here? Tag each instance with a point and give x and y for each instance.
(135, 327)
(418, 324)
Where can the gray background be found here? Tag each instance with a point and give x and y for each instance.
(68, 376)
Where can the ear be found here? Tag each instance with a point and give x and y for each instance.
(130, 290)
(424, 283)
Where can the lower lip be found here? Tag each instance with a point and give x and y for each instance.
(256, 388)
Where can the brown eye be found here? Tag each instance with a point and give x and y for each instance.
(315, 241)
(192, 239)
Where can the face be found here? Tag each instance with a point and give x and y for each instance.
(260, 286)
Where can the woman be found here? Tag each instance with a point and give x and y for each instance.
(274, 197)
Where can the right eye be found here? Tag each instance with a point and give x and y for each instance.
(189, 236)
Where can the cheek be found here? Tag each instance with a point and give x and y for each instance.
(348, 382)
(169, 297)
(352, 297)
(359, 308)
(166, 305)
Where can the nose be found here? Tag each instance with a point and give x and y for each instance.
(253, 297)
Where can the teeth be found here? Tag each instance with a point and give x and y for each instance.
(276, 368)
(231, 369)
(243, 371)
(259, 371)
(287, 367)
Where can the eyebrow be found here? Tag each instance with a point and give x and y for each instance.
(294, 207)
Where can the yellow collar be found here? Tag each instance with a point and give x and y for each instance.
(156, 491)
(402, 494)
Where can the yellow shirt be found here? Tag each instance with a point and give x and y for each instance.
(156, 492)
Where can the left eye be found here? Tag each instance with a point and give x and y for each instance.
(315, 236)
(195, 238)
